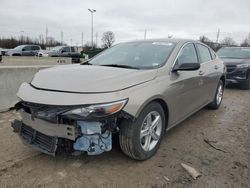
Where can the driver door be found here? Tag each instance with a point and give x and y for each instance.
(186, 85)
(66, 52)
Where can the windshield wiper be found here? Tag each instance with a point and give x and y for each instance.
(121, 66)
(85, 63)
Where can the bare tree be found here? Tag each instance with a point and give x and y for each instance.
(245, 43)
(204, 39)
(215, 46)
(228, 41)
(108, 38)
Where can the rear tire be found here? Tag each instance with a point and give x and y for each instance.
(141, 139)
(218, 96)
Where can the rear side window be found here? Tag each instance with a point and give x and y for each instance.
(187, 55)
(35, 48)
(204, 53)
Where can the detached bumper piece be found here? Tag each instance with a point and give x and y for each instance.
(35, 139)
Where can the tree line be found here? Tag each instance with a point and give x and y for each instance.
(108, 39)
(13, 42)
(227, 41)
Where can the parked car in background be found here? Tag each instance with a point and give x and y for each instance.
(3, 51)
(136, 89)
(62, 51)
(24, 50)
(237, 61)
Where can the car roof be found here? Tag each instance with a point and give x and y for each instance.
(175, 40)
(27, 45)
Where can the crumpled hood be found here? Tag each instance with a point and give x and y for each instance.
(90, 78)
(228, 61)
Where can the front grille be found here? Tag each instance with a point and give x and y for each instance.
(230, 68)
(46, 112)
(42, 142)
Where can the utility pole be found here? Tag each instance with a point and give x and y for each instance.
(40, 39)
(82, 39)
(218, 35)
(96, 39)
(92, 11)
(21, 36)
(61, 37)
(46, 35)
(145, 34)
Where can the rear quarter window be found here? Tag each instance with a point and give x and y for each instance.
(73, 49)
(213, 55)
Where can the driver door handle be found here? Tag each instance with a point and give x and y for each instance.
(201, 72)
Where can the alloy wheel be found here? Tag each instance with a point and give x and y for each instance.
(151, 130)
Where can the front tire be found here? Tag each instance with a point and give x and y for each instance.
(218, 96)
(141, 139)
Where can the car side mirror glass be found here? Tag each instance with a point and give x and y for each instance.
(62, 51)
(23, 49)
(187, 67)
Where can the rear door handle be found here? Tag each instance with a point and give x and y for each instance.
(216, 67)
(201, 72)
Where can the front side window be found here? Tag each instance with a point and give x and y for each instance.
(204, 53)
(141, 55)
(187, 55)
(66, 49)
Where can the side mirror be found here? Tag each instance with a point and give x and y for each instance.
(62, 51)
(187, 67)
(23, 49)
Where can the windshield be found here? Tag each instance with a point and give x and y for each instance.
(18, 47)
(141, 55)
(234, 53)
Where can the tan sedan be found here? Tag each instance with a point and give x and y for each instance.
(136, 89)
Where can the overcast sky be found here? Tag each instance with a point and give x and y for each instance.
(128, 19)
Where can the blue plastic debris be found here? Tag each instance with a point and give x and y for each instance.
(92, 140)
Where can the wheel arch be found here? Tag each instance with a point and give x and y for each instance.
(223, 78)
(163, 104)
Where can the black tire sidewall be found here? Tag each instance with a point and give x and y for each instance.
(215, 98)
(142, 154)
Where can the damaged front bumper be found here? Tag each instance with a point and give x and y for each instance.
(236, 75)
(56, 134)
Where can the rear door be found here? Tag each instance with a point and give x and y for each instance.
(186, 85)
(208, 74)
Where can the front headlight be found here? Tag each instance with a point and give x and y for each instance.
(100, 110)
(242, 66)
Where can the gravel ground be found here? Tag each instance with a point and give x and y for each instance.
(214, 142)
